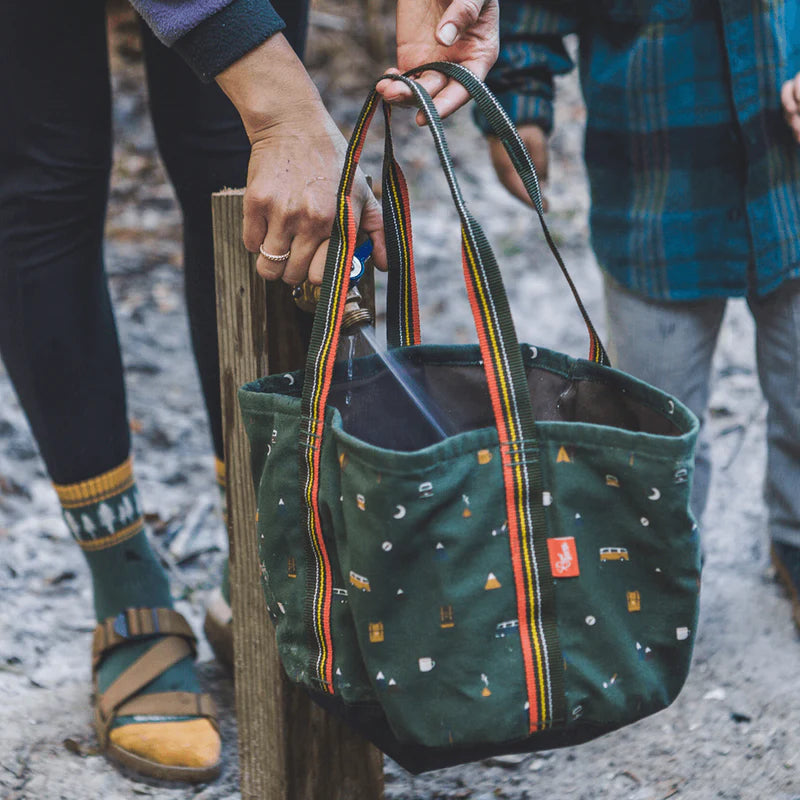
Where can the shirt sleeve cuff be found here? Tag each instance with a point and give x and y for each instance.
(226, 36)
(523, 109)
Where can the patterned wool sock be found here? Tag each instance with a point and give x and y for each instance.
(104, 517)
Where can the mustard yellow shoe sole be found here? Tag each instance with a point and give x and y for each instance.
(146, 736)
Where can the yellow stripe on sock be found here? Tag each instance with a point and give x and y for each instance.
(97, 489)
(219, 468)
(109, 541)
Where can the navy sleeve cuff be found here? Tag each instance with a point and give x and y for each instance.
(226, 36)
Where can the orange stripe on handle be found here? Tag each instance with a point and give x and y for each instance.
(324, 374)
(411, 299)
(326, 665)
(509, 482)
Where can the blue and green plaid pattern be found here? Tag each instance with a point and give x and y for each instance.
(694, 175)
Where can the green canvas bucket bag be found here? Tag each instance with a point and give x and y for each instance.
(527, 582)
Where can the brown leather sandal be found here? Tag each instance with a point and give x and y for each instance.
(175, 642)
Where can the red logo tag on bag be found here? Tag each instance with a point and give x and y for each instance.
(563, 557)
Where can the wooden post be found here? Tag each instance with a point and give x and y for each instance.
(288, 748)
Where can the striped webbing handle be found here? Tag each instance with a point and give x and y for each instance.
(402, 304)
(401, 280)
(511, 405)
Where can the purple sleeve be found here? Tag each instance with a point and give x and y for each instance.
(173, 19)
(210, 34)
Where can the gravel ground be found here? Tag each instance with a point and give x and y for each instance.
(735, 730)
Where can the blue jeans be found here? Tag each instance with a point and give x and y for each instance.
(671, 346)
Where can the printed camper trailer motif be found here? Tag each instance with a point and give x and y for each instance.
(681, 475)
(614, 554)
(507, 628)
(359, 581)
(340, 594)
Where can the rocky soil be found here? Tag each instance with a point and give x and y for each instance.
(735, 730)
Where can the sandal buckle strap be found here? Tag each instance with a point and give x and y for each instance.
(136, 622)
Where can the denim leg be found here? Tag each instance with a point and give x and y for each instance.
(669, 345)
(777, 318)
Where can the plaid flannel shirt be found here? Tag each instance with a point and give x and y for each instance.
(694, 175)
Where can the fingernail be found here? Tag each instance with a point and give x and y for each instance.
(447, 34)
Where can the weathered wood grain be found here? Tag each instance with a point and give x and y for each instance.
(288, 748)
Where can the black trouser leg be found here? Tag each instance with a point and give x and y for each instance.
(204, 148)
(57, 332)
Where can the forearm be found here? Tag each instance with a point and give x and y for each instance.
(270, 84)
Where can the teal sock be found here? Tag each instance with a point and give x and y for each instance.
(103, 515)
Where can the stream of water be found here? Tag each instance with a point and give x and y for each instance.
(435, 417)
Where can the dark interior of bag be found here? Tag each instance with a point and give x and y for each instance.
(429, 402)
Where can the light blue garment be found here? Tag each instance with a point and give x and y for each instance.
(670, 345)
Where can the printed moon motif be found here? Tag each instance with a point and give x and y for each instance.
(655, 494)
(400, 513)
(289, 378)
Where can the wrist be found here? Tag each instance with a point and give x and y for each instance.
(270, 85)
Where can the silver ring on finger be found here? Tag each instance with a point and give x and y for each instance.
(271, 257)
